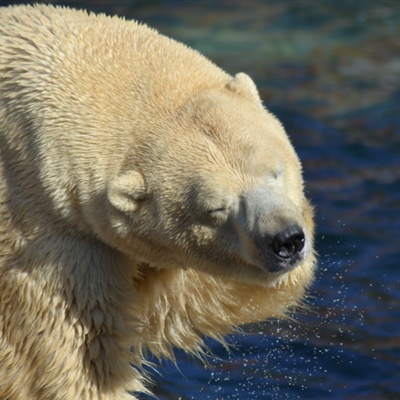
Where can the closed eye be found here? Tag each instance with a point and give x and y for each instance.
(279, 173)
(218, 216)
(276, 174)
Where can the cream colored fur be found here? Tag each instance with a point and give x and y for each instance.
(123, 156)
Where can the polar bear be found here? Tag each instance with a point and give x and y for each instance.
(147, 199)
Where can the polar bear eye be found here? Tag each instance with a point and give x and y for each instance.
(218, 216)
(279, 173)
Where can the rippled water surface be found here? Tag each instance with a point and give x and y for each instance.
(330, 70)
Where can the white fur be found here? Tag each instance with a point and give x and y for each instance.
(124, 158)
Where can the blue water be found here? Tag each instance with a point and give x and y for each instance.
(330, 70)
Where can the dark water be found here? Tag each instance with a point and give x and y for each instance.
(330, 70)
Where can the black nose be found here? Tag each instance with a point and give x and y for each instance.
(289, 242)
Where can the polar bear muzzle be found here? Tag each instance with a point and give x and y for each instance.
(288, 243)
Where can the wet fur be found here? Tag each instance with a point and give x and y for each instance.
(74, 311)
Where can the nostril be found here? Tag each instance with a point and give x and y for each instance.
(289, 242)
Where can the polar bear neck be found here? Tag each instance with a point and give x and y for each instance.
(180, 307)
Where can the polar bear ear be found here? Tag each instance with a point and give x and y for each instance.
(126, 191)
(244, 85)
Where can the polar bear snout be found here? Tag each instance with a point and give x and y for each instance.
(272, 231)
(283, 251)
(288, 245)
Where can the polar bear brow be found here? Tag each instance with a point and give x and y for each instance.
(217, 210)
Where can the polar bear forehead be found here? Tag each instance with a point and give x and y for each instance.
(249, 137)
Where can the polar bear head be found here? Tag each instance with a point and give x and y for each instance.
(217, 186)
